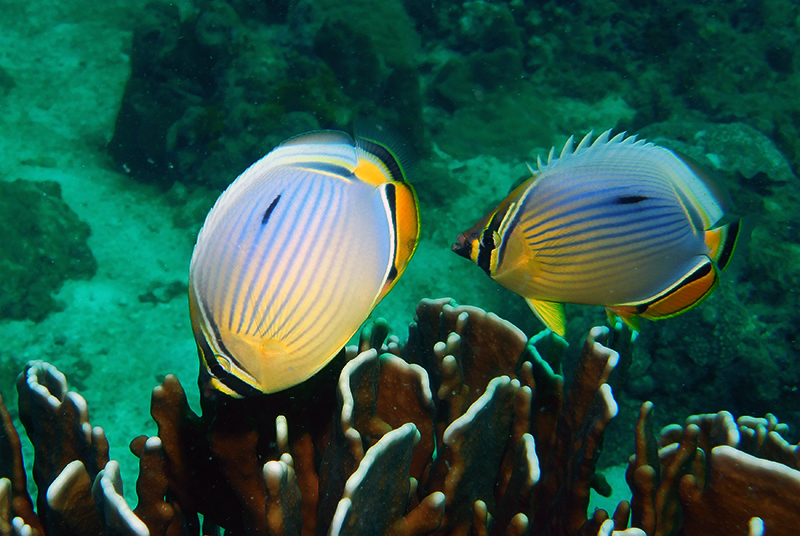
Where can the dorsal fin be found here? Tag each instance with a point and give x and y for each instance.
(604, 138)
(319, 137)
(585, 142)
(602, 142)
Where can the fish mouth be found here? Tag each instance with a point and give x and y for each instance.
(463, 246)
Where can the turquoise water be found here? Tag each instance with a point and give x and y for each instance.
(143, 114)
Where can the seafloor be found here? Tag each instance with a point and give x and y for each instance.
(478, 89)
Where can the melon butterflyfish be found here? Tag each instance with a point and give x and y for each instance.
(622, 223)
(294, 256)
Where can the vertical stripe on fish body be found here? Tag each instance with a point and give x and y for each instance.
(621, 223)
(294, 256)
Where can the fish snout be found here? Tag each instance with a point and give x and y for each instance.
(463, 245)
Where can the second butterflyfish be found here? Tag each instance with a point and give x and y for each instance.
(294, 256)
(622, 223)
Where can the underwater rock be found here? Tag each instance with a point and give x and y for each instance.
(465, 81)
(44, 244)
(211, 94)
(161, 292)
(269, 11)
(477, 437)
(166, 101)
(372, 49)
(453, 87)
(385, 27)
(218, 30)
(487, 26)
(6, 81)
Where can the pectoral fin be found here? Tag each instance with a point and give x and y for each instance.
(626, 314)
(551, 314)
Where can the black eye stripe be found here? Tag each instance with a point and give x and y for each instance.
(487, 243)
(487, 239)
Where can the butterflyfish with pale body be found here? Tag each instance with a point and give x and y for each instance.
(294, 256)
(621, 223)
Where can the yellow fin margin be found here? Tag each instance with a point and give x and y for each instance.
(551, 314)
(406, 218)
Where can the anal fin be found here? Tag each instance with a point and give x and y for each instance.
(627, 314)
(686, 294)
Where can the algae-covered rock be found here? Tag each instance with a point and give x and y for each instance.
(385, 25)
(372, 48)
(6, 82)
(487, 26)
(211, 93)
(44, 243)
(172, 78)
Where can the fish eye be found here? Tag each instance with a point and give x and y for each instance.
(223, 362)
(487, 239)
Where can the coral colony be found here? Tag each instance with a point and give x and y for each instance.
(465, 429)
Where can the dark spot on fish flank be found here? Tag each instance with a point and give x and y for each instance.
(631, 199)
(270, 208)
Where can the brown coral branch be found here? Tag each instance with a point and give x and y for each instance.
(17, 502)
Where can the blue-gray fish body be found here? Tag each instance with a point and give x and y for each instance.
(619, 223)
(294, 256)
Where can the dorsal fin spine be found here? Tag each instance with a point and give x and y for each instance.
(567, 150)
(586, 141)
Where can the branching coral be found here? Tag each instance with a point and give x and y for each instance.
(464, 429)
(715, 476)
